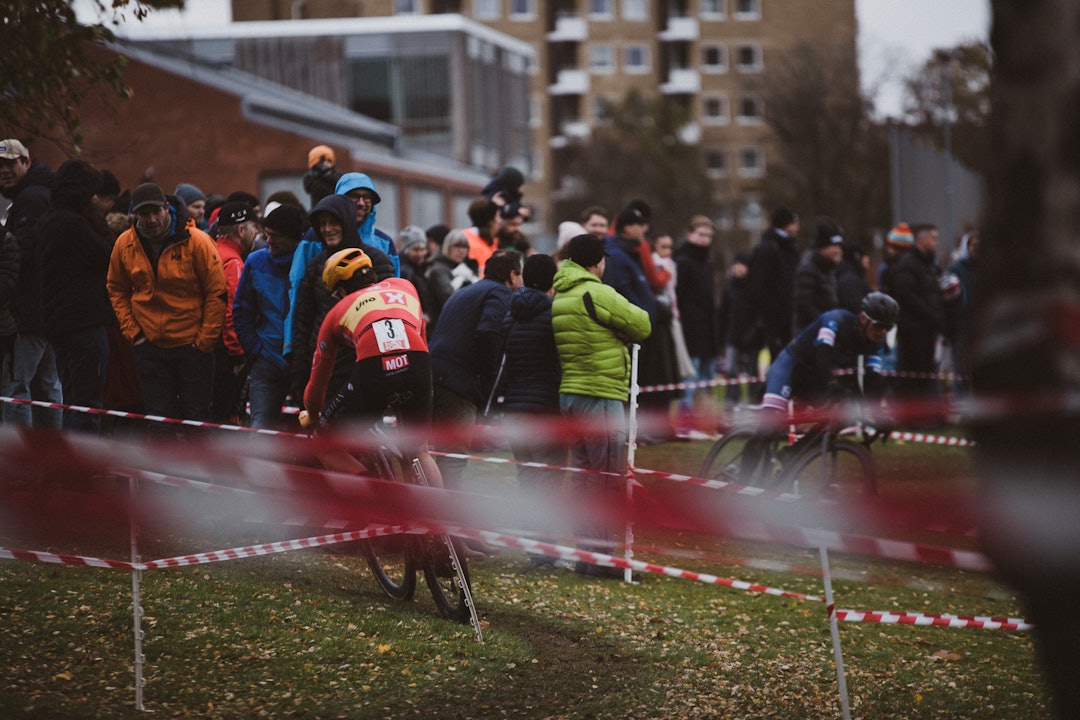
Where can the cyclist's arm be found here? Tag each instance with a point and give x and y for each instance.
(322, 363)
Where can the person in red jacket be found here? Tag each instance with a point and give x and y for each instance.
(238, 227)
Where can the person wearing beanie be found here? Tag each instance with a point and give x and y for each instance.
(73, 253)
(195, 200)
(259, 312)
(592, 324)
(567, 230)
(435, 236)
(529, 387)
(167, 287)
(322, 174)
(505, 191)
(412, 241)
(815, 276)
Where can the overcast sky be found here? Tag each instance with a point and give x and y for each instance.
(895, 36)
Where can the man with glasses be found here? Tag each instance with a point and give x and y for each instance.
(359, 188)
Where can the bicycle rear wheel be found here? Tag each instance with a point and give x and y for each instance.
(744, 457)
(442, 579)
(842, 470)
(392, 558)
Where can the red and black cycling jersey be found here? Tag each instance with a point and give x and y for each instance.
(384, 321)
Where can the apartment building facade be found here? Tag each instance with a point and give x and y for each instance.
(711, 56)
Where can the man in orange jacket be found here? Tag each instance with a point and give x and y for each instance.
(167, 286)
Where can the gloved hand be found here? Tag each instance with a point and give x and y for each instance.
(307, 420)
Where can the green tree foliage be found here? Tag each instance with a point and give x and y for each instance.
(828, 157)
(45, 71)
(967, 69)
(640, 154)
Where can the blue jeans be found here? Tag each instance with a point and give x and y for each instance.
(267, 387)
(29, 373)
(175, 382)
(739, 362)
(602, 449)
(704, 370)
(82, 358)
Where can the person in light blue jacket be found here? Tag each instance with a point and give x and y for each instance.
(359, 188)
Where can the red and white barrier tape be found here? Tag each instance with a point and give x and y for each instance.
(212, 556)
(954, 621)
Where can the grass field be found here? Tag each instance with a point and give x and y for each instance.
(309, 635)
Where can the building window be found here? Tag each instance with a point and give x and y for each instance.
(749, 58)
(751, 162)
(716, 162)
(714, 58)
(715, 110)
(600, 9)
(486, 9)
(522, 9)
(751, 110)
(406, 7)
(603, 110)
(636, 59)
(635, 10)
(713, 9)
(747, 9)
(601, 58)
(751, 214)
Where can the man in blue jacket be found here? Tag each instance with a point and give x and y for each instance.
(465, 350)
(259, 311)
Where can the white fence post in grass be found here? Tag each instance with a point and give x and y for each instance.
(838, 656)
(628, 551)
(136, 599)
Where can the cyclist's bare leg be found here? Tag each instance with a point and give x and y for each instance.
(341, 461)
(431, 469)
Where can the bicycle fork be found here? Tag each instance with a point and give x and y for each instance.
(421, 478)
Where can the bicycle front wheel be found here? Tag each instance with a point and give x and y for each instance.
(442, 579)
(842, 470)
(392, 559)
(744, 457)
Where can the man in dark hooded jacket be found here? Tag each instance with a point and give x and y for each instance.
(333, 221)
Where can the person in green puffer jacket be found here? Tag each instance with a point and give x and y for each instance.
(592, 324)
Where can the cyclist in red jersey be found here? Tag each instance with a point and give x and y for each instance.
(383, 323)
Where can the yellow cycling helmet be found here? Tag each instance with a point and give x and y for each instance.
(342, 265)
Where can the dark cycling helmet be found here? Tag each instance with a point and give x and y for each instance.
(881, 308)
(343, 265)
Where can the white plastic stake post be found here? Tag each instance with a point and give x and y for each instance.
(136, 599)
(631, 454)
(838, 656)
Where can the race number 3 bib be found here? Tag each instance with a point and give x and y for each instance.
(390, 335)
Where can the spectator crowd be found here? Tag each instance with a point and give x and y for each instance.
(209, 307)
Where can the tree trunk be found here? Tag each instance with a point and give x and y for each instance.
(1028, 327)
